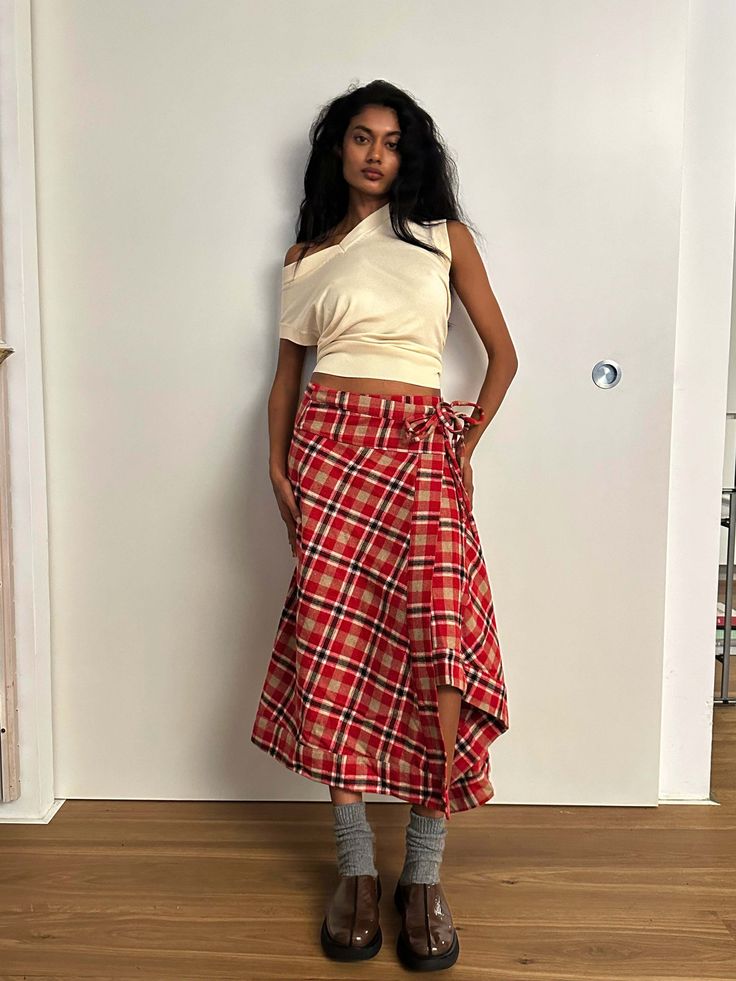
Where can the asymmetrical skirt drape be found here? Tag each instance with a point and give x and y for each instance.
(390, 598)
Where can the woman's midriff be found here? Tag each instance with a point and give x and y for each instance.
(369, 386)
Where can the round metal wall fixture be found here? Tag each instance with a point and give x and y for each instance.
(606, 374)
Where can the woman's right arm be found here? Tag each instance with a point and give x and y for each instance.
(283, 404)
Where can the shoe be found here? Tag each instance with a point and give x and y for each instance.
(350, 929)
(427, 940)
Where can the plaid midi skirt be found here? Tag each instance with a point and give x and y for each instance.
(390, 598)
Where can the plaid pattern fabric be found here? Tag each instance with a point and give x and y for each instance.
(390, 597)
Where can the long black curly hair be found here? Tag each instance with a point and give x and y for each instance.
(424, 190)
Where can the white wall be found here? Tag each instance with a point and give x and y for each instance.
(170, 141)
(20, 328)
(729, 455)
(700, 400)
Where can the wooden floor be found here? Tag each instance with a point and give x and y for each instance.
(151, 890)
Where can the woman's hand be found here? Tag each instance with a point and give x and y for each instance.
(287, 505)
(467, 472)
(464, 453)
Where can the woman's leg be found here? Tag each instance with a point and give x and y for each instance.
(449, 700)
(354, 837)
(340, 796)
(427, 828)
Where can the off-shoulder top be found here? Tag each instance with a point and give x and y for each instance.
(374, 305)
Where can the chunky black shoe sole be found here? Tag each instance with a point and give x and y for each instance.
(412, 960)
(339, 952)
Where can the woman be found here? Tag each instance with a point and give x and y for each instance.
(386, 673)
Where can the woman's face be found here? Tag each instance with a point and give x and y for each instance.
(371, 142)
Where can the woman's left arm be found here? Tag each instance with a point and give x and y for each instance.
(470, 282)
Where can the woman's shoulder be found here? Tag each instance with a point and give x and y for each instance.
(295, 252)
(292, 254)
(443, 233)
(458, 233)
(451, 225)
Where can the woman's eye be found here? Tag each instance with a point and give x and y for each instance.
(391, 145)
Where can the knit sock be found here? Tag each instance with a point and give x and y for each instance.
(425, 842)
(355, 840)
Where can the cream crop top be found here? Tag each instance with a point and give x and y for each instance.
(375, 305)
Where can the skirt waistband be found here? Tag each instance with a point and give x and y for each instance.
(410, 408)
(421, 418)
(395, 406)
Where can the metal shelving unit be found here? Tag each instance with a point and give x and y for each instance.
(728, 521)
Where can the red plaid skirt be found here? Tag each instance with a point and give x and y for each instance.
(390, 597)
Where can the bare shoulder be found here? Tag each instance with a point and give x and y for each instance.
(460, 236)
(293, 253)
(465, 255)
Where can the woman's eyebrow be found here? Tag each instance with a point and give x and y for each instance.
(394, 132)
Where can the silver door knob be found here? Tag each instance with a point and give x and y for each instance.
(606, 374)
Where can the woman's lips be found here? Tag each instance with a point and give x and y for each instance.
(372, 175)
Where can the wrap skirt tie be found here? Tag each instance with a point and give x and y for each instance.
(390, 598)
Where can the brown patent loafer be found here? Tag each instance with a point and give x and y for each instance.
(350, 929)
(427, 940)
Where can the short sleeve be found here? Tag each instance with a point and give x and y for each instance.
(297, 320)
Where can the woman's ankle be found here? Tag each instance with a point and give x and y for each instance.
(340, 796)
(426, 811)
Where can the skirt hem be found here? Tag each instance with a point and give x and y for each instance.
(469, 788)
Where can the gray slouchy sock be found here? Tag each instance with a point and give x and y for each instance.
(355, 840)
(425, 842)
